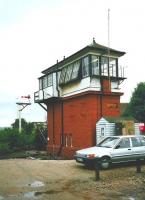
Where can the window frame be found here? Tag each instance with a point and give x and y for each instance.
(45, 82)
(104, 66)
(40, 84)
(95, 67)
(113, 69)
(85, 67)
(68, 75)
(124, 147)
(49, 80)
(138, 140)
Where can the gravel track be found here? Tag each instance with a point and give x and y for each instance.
(24, 179)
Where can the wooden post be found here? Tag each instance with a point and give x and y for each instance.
(138, 166)
(97, 169)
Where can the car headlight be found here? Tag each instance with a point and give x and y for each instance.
(91, 155)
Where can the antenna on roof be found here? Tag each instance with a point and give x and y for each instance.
(109, 49)
(109, 30)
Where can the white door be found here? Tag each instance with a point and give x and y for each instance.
(102, 132)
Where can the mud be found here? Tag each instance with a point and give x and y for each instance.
(24, 179)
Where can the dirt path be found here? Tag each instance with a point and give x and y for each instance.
(22, 179)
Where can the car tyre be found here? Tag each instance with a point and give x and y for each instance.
(105, 162)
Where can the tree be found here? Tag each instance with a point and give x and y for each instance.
(26, 126)
(136, 106)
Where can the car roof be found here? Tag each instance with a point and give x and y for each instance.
(124, 136)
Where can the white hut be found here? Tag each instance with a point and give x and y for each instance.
(108, 126)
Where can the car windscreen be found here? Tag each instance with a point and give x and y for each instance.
(108, 142)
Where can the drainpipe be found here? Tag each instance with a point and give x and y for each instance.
(101, 89)
(62, 113)
(53, 132)
(57, 85)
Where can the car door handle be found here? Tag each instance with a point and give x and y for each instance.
(129, 149)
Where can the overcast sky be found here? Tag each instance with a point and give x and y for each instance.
(35, 33)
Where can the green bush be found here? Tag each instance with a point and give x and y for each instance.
(4, 148)
(11, 140)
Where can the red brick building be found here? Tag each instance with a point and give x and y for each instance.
(76, 92)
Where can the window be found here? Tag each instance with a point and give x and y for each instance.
(70, 72)
(40, 84)
(85, 66)
(104, 66)
(112, 67)
(44, 81)
(75, 72)
(102, 131)
(62, 75)
(49, 80)
(124, 143)
(108, 142)
(136, 142)
(142, 141)
(95, 65)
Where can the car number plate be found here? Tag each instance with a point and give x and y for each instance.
(80, 159)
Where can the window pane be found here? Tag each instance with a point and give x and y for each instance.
(142, 141)
(112, 67)
(44, 81)
(62, 75)
(124, 143)
(95, 65)
(68, 73)
(75, 71)
(108, 142)
(136, 142)
(40, 84)
(104, 66)
(49, 80)
(85, 66)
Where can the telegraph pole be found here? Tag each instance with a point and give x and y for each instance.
(21, 106)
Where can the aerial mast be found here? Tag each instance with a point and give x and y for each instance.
(109, 49)
(21, 106)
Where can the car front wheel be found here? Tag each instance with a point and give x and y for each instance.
(105, 162)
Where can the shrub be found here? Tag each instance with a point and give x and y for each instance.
(4, 148)
(11, 140)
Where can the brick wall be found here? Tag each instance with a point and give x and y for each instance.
(78, 121)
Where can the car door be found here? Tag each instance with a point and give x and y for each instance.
(138, 145)
(123, 151)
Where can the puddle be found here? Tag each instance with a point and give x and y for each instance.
(30, 195)
(34, 194)
(1, 198)
(47, 192)
(37, 184)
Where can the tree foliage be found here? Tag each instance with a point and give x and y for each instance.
(136, 106)
(26, 126)
(33, 136)
(11, 140)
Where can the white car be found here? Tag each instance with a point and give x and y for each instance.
(113, 149)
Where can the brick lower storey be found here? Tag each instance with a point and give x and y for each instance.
(72, 121)
(61, 152)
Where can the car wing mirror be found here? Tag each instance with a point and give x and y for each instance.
(117, 147)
